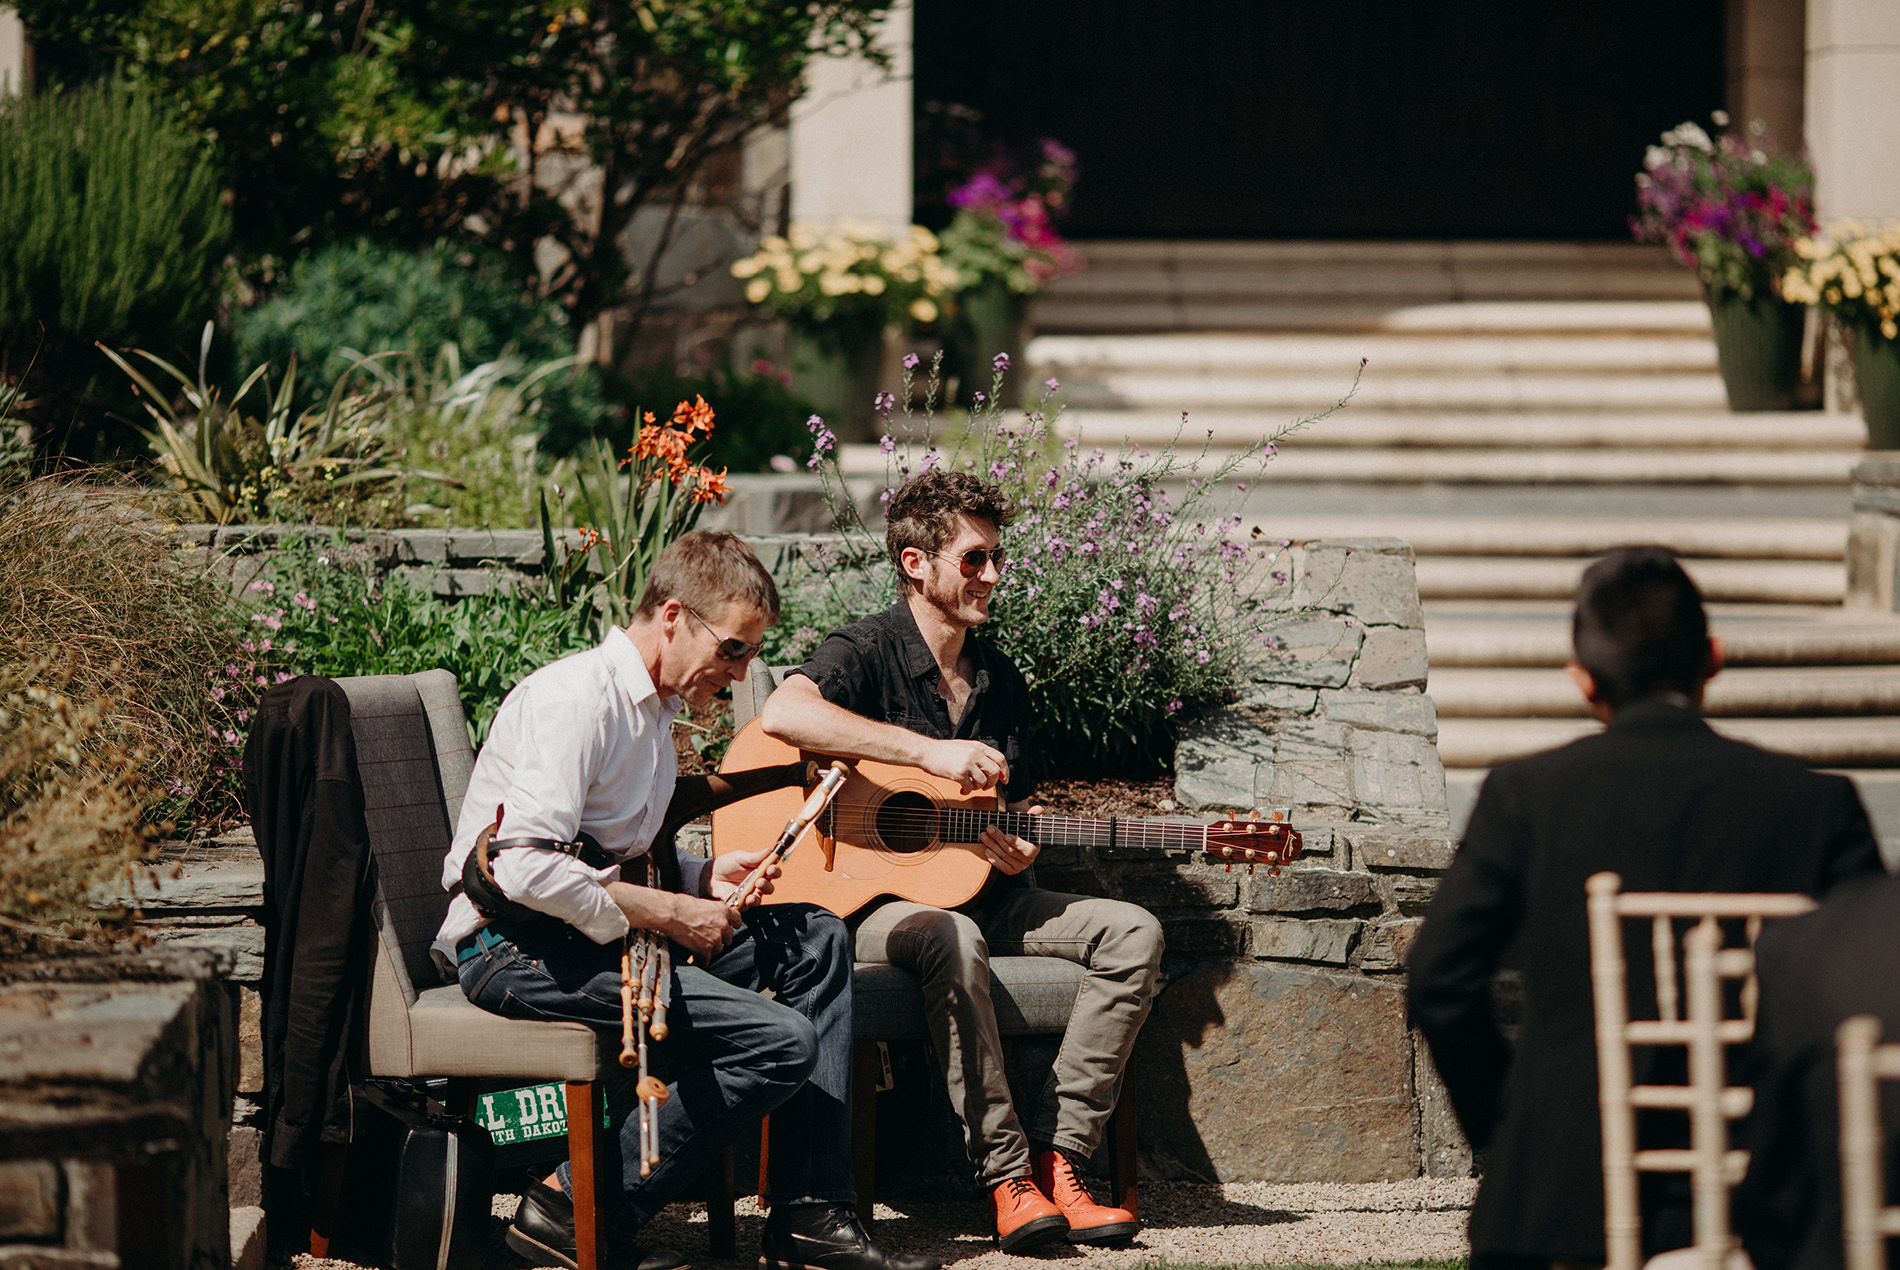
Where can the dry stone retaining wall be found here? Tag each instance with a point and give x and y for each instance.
(1278, 1049)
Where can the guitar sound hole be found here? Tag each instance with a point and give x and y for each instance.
(907, 823)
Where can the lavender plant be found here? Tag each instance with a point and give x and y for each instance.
(1134, 596)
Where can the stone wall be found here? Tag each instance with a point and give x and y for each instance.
(115, 1095)
(1278, 1048)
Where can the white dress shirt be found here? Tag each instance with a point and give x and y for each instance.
(584, 744)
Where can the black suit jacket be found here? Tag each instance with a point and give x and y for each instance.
(1661, 799)
(1815, 971)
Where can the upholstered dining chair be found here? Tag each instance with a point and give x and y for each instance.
(414, 760)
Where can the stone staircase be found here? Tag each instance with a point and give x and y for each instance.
(1522, 408)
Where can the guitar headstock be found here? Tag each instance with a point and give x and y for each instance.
(1258, 839)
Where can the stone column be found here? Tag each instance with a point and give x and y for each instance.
(851, 135)
(1853, 106)
(16, 58)
(1873, 536)
(1765, 66)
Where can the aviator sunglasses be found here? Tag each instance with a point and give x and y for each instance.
(970, 563)
(728, 648)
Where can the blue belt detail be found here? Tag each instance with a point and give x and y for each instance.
(477, 944)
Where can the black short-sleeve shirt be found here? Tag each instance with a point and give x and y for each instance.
(882, 669)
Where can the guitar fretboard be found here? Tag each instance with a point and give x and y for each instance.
(964, 825)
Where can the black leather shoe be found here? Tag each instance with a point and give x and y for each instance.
(827, 1237)
(543, 1233)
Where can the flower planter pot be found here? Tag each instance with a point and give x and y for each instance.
(1877, 376)
(1758, 345)
(836, 368)
(990, 319)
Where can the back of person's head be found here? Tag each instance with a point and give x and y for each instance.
(706, 570)
(923, 512)
(1639, 627)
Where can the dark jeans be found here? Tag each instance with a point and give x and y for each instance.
(730, 1056)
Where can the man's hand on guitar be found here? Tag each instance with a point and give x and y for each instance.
(1008, 852)
(971, 764)
(729, 872)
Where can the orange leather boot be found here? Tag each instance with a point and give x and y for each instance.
(1089, 1222)
(1024, 1215)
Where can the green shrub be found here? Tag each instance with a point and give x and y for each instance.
(111, 226)
(363, 298)
(322, 609)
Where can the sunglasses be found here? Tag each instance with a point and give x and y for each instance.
(728, 648)
(970, 563)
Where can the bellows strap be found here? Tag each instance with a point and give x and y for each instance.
(478, 870)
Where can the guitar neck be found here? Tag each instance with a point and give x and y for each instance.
(964, 825)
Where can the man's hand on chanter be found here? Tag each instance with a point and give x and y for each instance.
(971, 764)
(702, 927)
(729, 872)
(1008, 852)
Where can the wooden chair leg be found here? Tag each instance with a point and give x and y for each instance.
(765, 1159)
(592, 1188)
(721, 1231)
(1124, 1163)
(864, 1076)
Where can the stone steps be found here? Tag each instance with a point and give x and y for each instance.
(1494, 692)
(1556, 578)
(1312, 286)
(1851, 743)
(1357, 428)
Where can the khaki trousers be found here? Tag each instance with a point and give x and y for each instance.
(949, 949)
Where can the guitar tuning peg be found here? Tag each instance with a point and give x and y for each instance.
(1254, 814)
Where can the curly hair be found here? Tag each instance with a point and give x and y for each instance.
(923, 512)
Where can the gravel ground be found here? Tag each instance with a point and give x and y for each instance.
(1238, 1223)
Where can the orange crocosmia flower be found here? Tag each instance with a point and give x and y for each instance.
(711, 487)
(647, 417)
(696, 417)
(656, 442)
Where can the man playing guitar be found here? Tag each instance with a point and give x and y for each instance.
(916, 685)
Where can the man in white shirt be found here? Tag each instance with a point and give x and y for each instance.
(581, 751)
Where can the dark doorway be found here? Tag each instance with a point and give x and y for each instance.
(1380, 119)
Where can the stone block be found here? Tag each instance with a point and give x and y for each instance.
(250, 1039)
(1216, 762)
(1443, 1151)
(494, 546)
(1387, 945)
(1397, 776)
(1393, 657)
(1283, 698)
(1382, 711)
(29, 1200)
(198, 885)
(1189, 886)
(1313, 651)
(1312, 767)
(1326, 940)
(1207, 936)
(1276, 1073)
(1873, 557)
(1413, 895)
(1312, 891)
(246, 1168)
(1315, 840)
(1408, 849)
(236, 940)
(1373, 579)
(422, 546)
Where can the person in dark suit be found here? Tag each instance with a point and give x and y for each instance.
(1815, 972)
(1659, 798)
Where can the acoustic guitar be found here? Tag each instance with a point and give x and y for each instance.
(894, 830)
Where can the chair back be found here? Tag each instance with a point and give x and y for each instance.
(1867, 1221)
(749, 694)
(413, 759)
(1691, 982)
